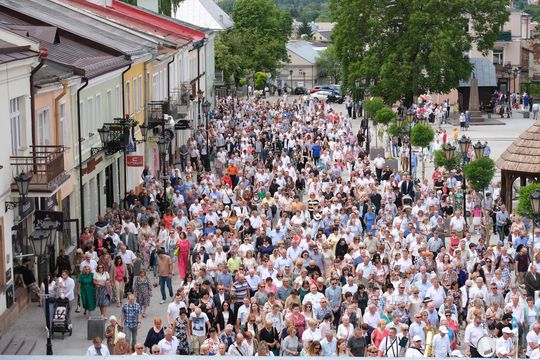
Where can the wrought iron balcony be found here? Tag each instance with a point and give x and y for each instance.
(156, 113)
(46, 166)
(504, 36)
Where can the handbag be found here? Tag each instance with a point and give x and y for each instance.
(176, 251)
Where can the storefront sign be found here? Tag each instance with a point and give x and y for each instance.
(26, 208)
(54, 216)
(135, 160)
(131, 148)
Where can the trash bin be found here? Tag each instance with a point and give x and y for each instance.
(96, 327)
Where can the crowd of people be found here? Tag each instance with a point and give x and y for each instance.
(296, 243)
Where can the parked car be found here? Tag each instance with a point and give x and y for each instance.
(300, 90)
(328, 96)
(318, 88)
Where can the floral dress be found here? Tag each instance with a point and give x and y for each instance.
(180, 331)
(142, 290)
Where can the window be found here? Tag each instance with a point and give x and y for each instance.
(99, 118)
(63, 130)
(118, 103)
(135, 96)
(140, 94)
(128, 98)
(44, 127)
(498, 57)
(155, 88)
(15, 121)
(108, 110)
(90, 118)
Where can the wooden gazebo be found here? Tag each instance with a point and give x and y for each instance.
(520, 161)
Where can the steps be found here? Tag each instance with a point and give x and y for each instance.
(18, 345)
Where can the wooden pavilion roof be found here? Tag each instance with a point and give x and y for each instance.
(523, 155)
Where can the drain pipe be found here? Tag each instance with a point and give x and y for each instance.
(43, 54)
(79, 122)
(124, 115)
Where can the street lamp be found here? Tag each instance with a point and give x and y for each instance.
(163, 145)
(515, 72)
(290, 73)
(535, 205)
(42, 241)
(464, 144)
(144, 131)
(508, 70)
(479, 150)
(23, 184)
(206, 108)
(200, 95)
(449, 151)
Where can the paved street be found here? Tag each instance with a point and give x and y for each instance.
(31, 324)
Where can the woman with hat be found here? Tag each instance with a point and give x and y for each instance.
(112, 331)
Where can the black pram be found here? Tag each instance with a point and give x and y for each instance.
(61, 319)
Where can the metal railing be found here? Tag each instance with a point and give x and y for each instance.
(45, 164)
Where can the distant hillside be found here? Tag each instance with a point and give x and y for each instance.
(302, 10)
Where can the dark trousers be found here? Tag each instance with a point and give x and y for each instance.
(165, 280)
(475, 353)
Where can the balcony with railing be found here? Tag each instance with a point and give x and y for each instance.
(46, 166)
(504, 36)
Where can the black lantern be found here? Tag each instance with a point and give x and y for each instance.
(535, 202)
(399, 121)
(144, 131)
(23, 183)
(464, 144)
(479, 149)
(449, 151)
(105, 134)
(206, 106)
(163, 144)
(42, 241)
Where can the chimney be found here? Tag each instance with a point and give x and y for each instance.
(101, 2)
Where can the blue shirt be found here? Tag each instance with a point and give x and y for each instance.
(131, 314)
(316, 151)
(333, 295)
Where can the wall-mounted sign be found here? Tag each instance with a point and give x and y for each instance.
(135, 160)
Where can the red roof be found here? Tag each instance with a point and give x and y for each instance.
(142, 20)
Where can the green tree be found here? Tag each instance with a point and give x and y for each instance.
(422, 136)
(372, 106)
(166, 7)
(384, 116)
(479, 173)
(328, 63)
(260, 80)
(407, 47)
(256, 42)
(439, 158)
(524, 204)
(305, 29)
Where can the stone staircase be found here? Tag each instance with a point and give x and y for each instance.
(17, 345)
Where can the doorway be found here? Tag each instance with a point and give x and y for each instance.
(109, 186)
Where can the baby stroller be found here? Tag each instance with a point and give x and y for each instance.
(61, 321)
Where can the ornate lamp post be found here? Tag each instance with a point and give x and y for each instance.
(206, 108)
(42, 241)
(535, 205)
(23, 184)
(479, 149)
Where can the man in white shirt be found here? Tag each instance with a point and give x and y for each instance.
(314, 297)
(389, 346)
(139, 350)
(436, 292)
(415, 351)
(533, 338)
(328, 344)
(97, 348)
(473, 332)
(88, 261)
(441, 343)
(169, 344)
(173, 310)
(505, 345)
